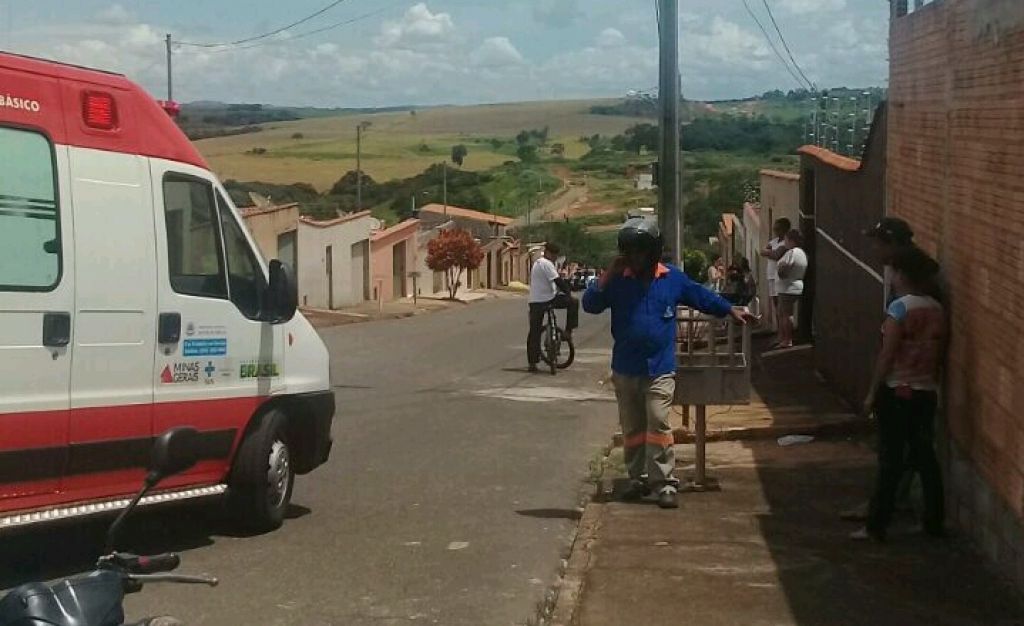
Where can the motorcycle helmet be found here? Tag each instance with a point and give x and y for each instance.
(639, 234)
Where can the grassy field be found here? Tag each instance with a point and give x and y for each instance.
(397, 145)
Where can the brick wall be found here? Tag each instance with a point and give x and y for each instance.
(956, 153)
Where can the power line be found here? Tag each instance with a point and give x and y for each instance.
(785, 45)
(317, 31)
(771, 43)
(264, 35)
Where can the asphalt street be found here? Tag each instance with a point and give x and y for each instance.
(449, 498)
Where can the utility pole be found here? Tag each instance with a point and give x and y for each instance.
(669, 210)
(444, 167)
(170, 82)
(359, 164)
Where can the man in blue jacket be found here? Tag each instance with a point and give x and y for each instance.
(643, 295)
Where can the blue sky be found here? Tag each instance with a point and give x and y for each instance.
(451, 51)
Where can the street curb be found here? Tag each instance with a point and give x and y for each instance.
(853, 426)
(571, 584)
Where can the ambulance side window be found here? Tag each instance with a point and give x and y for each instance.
(30, 249)
(245, 276)
(194, 254)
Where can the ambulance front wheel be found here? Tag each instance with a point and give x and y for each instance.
(263, 477)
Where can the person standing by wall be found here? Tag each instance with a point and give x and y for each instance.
(904, 395)
(892, 237)
(773, 252)
(791, 268)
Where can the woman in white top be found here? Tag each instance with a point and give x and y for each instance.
(792, 268)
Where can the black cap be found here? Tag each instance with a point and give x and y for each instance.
(891, 230)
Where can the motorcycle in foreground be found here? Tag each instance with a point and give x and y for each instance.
(97, 599)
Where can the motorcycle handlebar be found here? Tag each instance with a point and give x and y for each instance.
(166, 562)
(173, 578)
(135, 564)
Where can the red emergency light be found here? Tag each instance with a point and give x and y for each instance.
(99, 110)
(170, 107)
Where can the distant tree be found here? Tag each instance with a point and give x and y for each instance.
(412, 112)
(459, 154)
(558, 150)
(424, 148)
(523, 138)
(496, 143)
(527, 153)
(297, 135)
(642, 136)
(453, 252)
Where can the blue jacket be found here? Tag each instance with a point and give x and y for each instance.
(644, 320)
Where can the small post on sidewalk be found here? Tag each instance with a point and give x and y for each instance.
(700, 478)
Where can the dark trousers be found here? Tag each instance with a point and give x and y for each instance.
(906, 428)
(537, 311)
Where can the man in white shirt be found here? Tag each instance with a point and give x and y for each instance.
(548, 288)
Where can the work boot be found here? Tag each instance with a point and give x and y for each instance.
(636, 492)
(668, 499)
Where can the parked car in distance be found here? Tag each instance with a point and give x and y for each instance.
(581, 279)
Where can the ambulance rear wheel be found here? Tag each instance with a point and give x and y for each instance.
(262, 480)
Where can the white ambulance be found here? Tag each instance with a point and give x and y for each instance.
(132, 300)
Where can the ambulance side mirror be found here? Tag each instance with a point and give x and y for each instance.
(282, 294)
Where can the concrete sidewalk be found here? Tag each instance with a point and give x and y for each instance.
(769, 548)
(397, 309)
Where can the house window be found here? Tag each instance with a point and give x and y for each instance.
(30, 246)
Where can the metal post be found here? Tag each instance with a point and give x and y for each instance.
(170, 83)
(444, 166)
(359, 167)
(669, 93)
(700, 454)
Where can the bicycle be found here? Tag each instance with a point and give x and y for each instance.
(554, 338)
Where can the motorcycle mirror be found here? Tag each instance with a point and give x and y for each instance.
(173, 452)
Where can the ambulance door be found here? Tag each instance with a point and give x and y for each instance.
(37, 263)
(111, 426)
(216, 360)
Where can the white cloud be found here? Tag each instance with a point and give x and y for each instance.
(557, 13)
(598, 70)
(114, 14)
(726, 43)
(611, 38)
(424, 55)
(496, 52)
(417, 28)
(803, 7)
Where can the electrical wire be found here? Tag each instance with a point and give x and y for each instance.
(325, 29)
(775, 49)
(264, 35)
(785, 45)
(317, 31)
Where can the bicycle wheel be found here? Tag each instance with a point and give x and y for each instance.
(567, 351)
(550, 352)
(564, 350)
